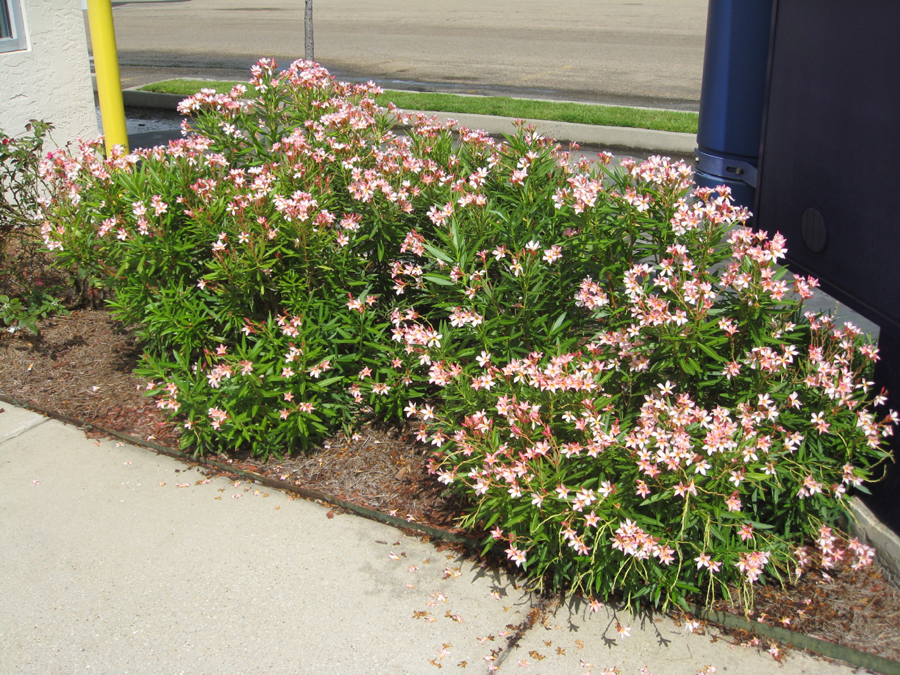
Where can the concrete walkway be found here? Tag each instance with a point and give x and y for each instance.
(114, 559)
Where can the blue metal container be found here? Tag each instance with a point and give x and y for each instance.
(732, 96)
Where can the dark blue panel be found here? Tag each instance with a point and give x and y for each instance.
(734, 77)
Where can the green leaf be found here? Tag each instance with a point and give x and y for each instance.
(440, 280)
(717, 357)
(330, 381)
(438, 253)
(558, 323)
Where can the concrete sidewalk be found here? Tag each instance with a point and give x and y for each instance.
(117, 560)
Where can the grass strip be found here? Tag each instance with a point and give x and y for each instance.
(503, 106)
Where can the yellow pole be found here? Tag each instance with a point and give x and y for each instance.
(106, 67)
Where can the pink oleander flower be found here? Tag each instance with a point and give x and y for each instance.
(682, 490)
(752, 564)
(552, 254)
(705, 560)
(810, 487)
(865, 554)
(819, 422)
(218, 417)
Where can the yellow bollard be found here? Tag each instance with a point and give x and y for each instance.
(106, 67)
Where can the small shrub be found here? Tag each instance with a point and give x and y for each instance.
(19, 184)
(290, 204)
(697, 439)
(27, 294)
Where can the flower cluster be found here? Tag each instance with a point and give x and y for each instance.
(668, 446)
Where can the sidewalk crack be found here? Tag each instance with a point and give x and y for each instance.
(545, 604)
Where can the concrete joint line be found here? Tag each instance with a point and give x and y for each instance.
(544, 606)
(28, 426)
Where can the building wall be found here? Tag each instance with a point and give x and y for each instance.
(51, 79)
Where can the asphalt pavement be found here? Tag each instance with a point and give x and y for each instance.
(115, 559)
(647, 53)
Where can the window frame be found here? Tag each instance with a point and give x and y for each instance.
(17, 40)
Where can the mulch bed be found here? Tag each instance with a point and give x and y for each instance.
(81, 367)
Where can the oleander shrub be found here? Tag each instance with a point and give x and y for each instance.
(608, 365)
(697, 438)
(29, 290)
(282, 210)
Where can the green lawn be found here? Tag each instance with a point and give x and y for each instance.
(581, 113)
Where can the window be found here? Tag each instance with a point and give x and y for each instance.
(12, 27)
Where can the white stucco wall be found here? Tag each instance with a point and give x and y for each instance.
(51, 79)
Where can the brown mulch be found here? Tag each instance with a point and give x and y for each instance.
(81, 367)
(856, 608)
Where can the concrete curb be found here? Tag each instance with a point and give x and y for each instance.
(616, 138)
(623, 138)
(150, 99)
(875, 533)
